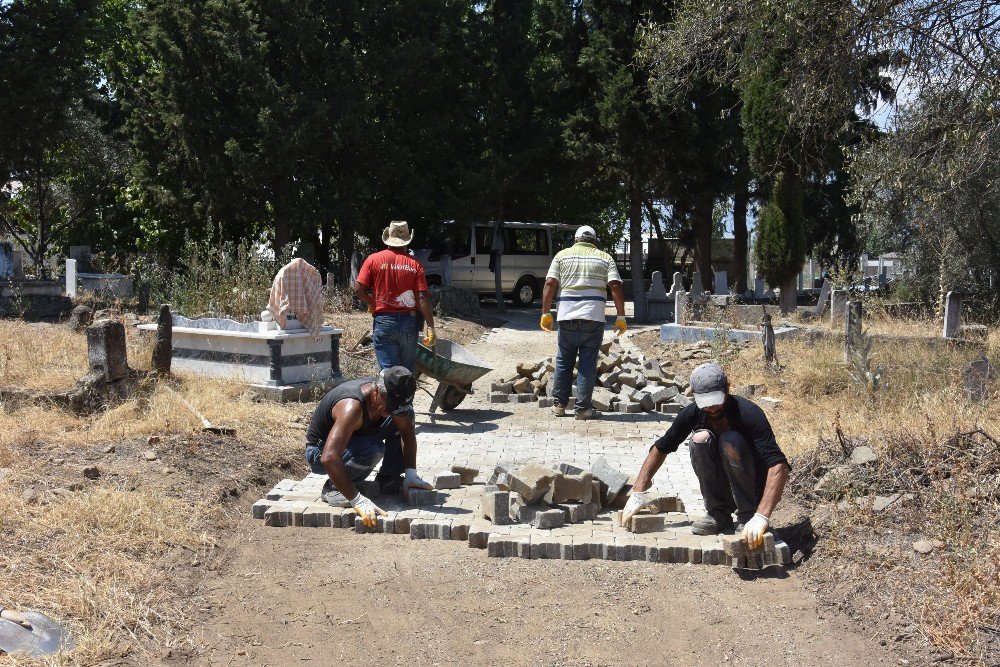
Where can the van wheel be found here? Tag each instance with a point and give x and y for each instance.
(525, 292)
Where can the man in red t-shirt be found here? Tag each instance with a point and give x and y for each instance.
(394, 286)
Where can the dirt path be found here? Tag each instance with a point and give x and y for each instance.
(288, 597)
(313, 596)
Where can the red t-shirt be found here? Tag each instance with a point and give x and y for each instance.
(395, 280)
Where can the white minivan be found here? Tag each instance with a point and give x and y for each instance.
(528, 251)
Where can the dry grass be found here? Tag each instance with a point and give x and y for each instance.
(818, 392)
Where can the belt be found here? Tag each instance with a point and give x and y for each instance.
(411, 313)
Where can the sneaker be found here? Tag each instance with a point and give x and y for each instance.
(709, 525)
(331, 496)
(588, 413)
(559, 410)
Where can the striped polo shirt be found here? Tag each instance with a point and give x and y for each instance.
(583, 273)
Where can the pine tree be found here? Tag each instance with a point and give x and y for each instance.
(781, 242)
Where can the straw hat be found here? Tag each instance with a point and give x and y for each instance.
(397, 234)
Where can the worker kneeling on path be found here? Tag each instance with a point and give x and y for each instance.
(355, 426)
(739, 465)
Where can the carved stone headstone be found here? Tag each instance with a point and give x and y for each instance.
(721, 282)
(678, 285)
(80, 318)
(142, 299)
(106, 352)
(696, 288)
(680, 304)
(824, 298)
(976, 377)
(657, 300)
(18, 260)
(852, 318)
(952, 314)
(163, 348)
(71, 278)
(838, 305)
(758, 288)
(82, 255)
(6, 261)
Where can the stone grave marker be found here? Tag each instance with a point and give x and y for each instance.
(163, 348)
(680, 303)
(106, 353)
(6, 261)
(976, 378)
(657, 300)
(838, 305)
(852, 318)
(71, 278)
(18, 260)
(952, 314)
(678, 285)
(721, 282)
(824, 298)
(83, 257)
(695, 284)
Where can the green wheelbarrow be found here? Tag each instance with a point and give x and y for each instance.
(455, 369)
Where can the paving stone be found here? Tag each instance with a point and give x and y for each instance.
(663, 394)
(467, 474)
(671, 409)
(521, 512)
(496, 507)
(576, 512)
(460, 531)
(567, 488)
(523, 398)
(478, 536)
(430, 529)
(508, 546)
(667, 503)
(423, 497)
(546, 402)
(401, 524)
(497, 397)
(603, 399)
(784, 552)
(259, 507)
(627, 407)
(447, 480)
(646, 523)
(549, 518)
(531, 482)
(523, 386)
(713, 556)
(283, 513)
(502, 387)
(552, 547)
(570, 469)
(386, 524)
(525, 369)
(359, 525)
(612, 480)
(320, 516)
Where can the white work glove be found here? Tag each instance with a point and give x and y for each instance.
(367, 510)
(753, 531)
(411, 480)
(636, 501)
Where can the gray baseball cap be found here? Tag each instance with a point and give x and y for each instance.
(708, 384)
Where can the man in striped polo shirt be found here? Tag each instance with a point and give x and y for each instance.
(581, 275)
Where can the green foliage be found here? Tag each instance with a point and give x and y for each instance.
(864, 371)
(223, 279)
(780, 246)
(764, 117)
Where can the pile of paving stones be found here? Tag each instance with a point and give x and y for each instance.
(531, 511)
(547, 497)
(626, 382)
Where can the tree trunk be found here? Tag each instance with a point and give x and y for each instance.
(702, 221)
(660, 241)
(346, 252)
(635, 256)
(281, 235)
(788, 298)
(323, 251)
(497, 260)
(41, 242)
(740, 236)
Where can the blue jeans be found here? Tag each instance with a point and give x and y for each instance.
(730, 474)
(395, 338)
(577, 338)
(364, 452)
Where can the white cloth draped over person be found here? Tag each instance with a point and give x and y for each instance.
(298, 289)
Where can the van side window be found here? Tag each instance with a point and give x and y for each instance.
(531, 242)
(484, 239)
(457, 241)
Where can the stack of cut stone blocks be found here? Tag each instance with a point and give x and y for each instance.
(529, 511)
(626, 382)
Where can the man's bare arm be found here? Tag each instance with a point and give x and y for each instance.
(619, 296)
(347, 418)
(777, 476)
(426, 309)
(363, 293)
(650, 466)
(404, 424)
(549, 294)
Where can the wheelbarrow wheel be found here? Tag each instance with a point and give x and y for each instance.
(452, 397)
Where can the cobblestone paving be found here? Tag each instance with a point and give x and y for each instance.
(481, 435)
